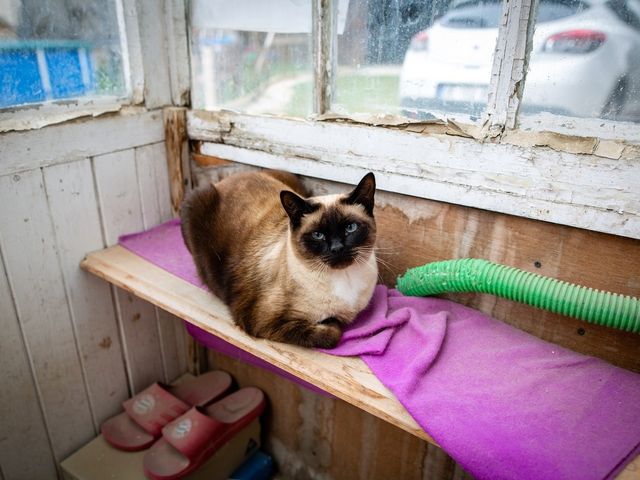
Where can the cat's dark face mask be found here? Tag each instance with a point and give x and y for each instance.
(336, 234)
(338, 238)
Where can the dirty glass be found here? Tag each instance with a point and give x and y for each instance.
(252, 56)
(585, 60)
(416, 58)
(55, 50)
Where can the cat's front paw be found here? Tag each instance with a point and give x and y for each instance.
(326, 334)
(302, 332)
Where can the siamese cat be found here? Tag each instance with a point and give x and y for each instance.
(290, 268)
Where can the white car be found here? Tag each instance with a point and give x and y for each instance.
(585, 60)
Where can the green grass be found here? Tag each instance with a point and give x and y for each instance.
(354, 94)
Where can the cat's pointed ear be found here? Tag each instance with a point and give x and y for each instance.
(363, 194)
(295, 206)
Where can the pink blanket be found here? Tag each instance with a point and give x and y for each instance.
(502, 403)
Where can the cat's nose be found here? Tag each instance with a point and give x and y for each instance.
(336, 246)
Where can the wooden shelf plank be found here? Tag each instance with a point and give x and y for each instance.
(347, 378)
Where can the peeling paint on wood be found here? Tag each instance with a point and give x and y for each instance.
(130, 42)
(209, 161)
(324, 36)
(70, 142)
(576, 189)
(33, 117)
(153, 44)
(510, 60)
(178, 50)
(122, 212)
(177, 154)
(573, 144)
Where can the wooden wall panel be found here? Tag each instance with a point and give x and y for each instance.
(72, 199)
(133, 192)
(62, 351)
(117, 184)
(153, 184)
(74, 141)
(33, 268)
(592, 259)
(22, 423)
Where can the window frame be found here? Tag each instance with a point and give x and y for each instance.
(154, 41)
(573, 177)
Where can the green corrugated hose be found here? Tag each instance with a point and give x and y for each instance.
(475, 275)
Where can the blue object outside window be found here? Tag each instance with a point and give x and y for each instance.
(37, 71)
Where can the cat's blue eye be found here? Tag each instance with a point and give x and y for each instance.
(352, 227)
(317, 235)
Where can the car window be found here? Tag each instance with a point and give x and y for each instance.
(486, 14)
(473, 15)
(624, 10)
(555, 10)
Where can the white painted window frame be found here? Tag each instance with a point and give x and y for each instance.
(148, 29)
(37, 115)
(586, 176)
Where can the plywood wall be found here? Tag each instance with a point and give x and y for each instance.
(71, 347)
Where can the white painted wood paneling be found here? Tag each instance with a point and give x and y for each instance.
(153, 184)
(510, 60)
(33, 268)
(173, 338)
(74, 211)
(75, 141)
(21, 420)
(121, 210)
(143, 351)
(69, 374)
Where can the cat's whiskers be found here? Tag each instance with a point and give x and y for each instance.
(318, 267)
(388, 266)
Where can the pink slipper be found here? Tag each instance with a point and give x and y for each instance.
(190, 440)
(147, 412)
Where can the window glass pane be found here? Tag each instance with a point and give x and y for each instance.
(585, 60)
(416, 58)
(252, 56)
(59, 49)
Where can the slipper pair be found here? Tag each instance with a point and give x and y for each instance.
(191, 425)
